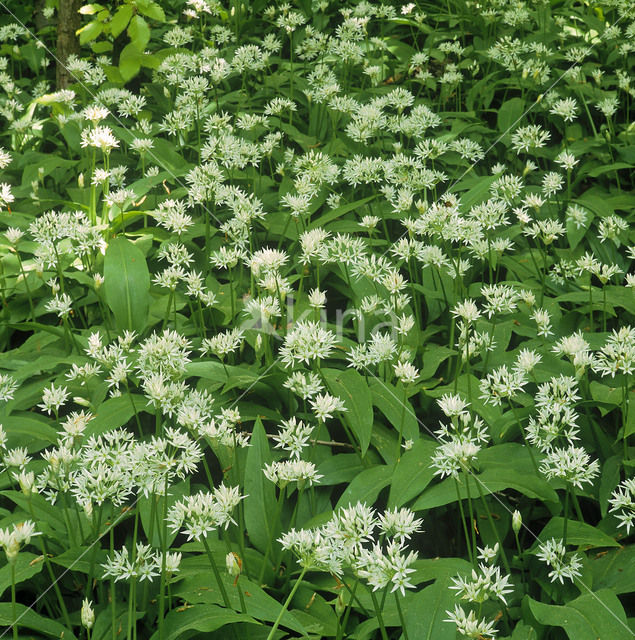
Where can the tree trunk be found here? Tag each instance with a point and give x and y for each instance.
(68, 22)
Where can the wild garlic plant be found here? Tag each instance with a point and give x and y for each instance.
(281, 282)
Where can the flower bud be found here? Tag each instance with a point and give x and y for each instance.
(88, 614)
(233, 564)
(517, 521)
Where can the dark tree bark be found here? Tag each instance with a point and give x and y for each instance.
(68, 22)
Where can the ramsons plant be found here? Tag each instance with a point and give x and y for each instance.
(318, 321)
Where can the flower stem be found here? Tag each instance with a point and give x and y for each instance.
(286, 604)
(219, 581)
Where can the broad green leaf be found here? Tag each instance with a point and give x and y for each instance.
(390, 401)
(427, 569)
(425, 614)
(260, 502)
(503, 466)
(605, 168)
(90, 31)
(412, 474)
(614, 570)
(29, 619)
(152, 10)
(352, 388)
(26, 566)
(81, 559)
(120, 20)
(509, 115)
(341, 467)
(366, 486)
(114, 413)
(203, 618)
(476, 190)
(592, 616)
(202, 589)
(166, 156)
(609, 479)
(37, 508)
(127, 284)
(139, 32)
(130, 61)
(433, 356)
(339, 211)
(523, 631)
(578, 533)
(32, 433)
(90, 9)
(150, 518)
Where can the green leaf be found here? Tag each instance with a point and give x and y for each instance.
(37, 508)
(366, 486)
(203, 589)
(130, 61)
(81, 559)
(26, 566)
(412, 474)
(90, 31)
(203, 618)
(509, 114)
(139, 33)
(149, 516)
(152, 10)
(390, 401)
(351, 387)
(127, 284)
(260, 502)
(31, 620)
(605, 168)
(165, 155)
(578, 533)
(615, 570)
(120, 20)
(342, 467)
(90, 9)
(114, 413)
(504, 466)
(434, 600)
(609, 479)
(590, 617)
(339, 211)
(31, 433)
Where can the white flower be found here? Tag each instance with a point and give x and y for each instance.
(553, 553)
(324, 405)
(53, 398)
(622, 503)
(307, 341)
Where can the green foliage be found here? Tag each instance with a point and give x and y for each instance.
(318, 321)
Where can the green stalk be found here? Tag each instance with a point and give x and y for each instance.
(380, 619)
(401, 618)
(493, 526)
(113, 599)
(13, 604)
(465, 533)
(342, 625)
(566, 517)
(286, 604)
(471, 510)
(274, 524)
(219, 581)
(164, 526)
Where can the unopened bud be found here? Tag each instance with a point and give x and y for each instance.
(233, 564)
(517, 521)
(88, 614)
